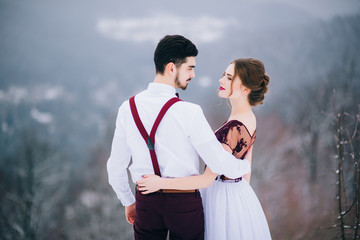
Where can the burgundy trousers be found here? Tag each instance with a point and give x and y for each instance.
(180, 214)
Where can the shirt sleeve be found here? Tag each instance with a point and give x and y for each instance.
(118, 162)
(211, 151)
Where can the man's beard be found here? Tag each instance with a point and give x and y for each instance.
(178, 84)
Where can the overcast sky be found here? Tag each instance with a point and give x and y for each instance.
(323, 8)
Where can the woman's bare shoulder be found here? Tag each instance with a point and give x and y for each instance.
(248, 119)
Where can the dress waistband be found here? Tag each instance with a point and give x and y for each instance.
(222, 178)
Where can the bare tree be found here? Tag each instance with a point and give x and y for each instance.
(31, 206)
(346, 153)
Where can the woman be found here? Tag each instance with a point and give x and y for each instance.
(232, 209)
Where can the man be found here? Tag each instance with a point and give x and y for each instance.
(182, 136)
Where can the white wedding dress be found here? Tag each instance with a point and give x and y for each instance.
(231, 207)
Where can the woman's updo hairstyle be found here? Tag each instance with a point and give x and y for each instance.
(252, 75)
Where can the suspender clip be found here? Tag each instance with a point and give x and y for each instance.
(150, 144)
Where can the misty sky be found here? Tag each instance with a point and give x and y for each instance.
(58, 39)
(323, 8)
(207, 23)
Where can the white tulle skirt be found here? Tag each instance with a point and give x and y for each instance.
(232, 212)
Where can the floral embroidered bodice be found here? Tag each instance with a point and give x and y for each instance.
(235, 134)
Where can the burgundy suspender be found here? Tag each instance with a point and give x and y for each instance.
(150, 140)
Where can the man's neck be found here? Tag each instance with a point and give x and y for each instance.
(164, 80)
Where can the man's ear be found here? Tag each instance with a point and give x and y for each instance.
(170, 68)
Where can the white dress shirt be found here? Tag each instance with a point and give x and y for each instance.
(183, 135)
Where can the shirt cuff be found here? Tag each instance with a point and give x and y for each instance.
(128, 200)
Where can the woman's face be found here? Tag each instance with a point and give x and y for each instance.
(225, 84)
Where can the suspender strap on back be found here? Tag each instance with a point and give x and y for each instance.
(150, 140)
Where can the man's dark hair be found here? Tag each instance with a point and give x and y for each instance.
(173, 48)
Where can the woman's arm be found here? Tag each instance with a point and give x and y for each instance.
(248, 156)
(152, 183)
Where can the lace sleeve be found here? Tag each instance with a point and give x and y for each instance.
(239, 140)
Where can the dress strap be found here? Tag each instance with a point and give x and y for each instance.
(150, 140)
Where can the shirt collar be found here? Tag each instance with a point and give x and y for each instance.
(161, 88)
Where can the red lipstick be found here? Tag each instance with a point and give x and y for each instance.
(221, 88)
